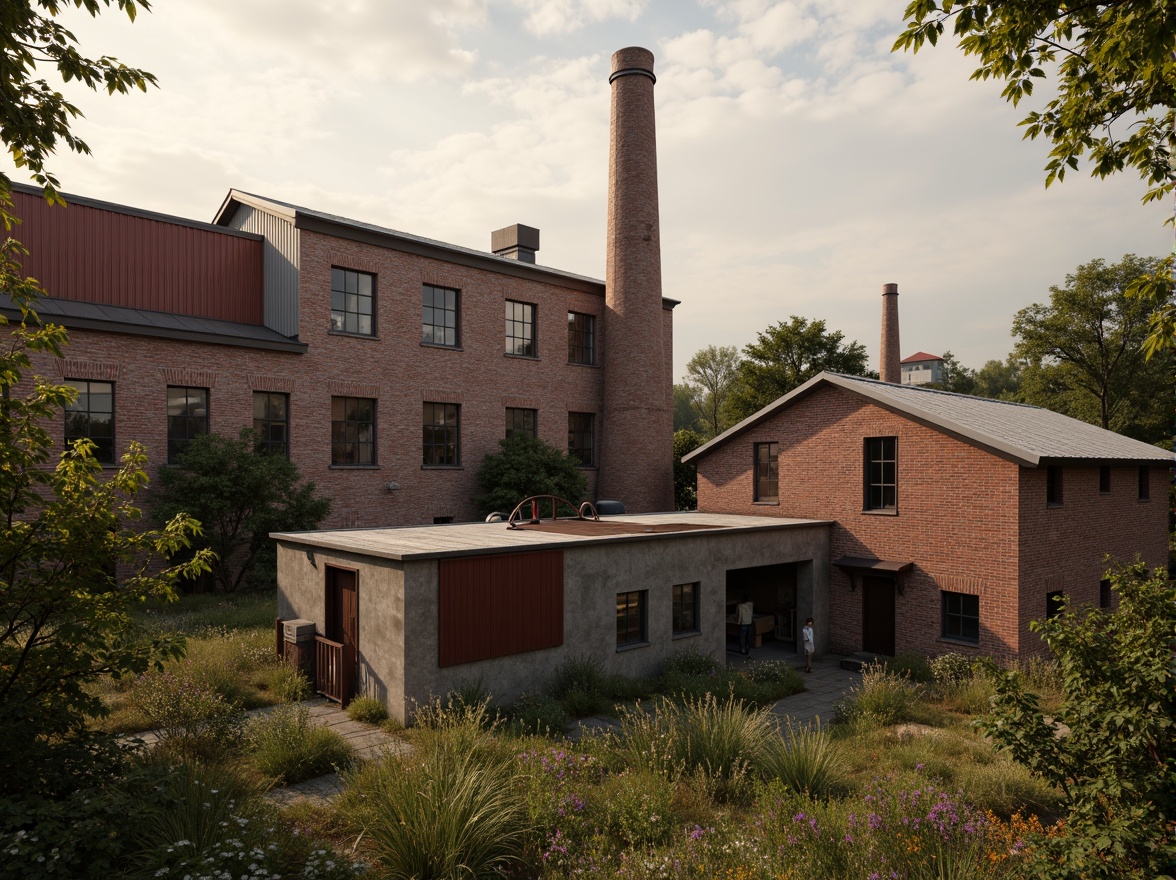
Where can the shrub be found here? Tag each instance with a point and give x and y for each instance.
(194, 722)
(286, 683)
(443, 815)
(808, 762)
(781, 674)
(638, 807)
(526, 466)
(538, 714)
(912, 666)
(690, 661)
(584, 674)
(367, 710)
(878, 701)
(581, 704)
(951, 668)
(287, 747)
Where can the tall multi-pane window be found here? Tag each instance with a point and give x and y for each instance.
(881, 473)
(520, 421)
(582, 438)
(685, 608)
(520, 329)
(353, 431)
(187, 418)
(767, 472)
(581, 338)
(271, 422)
(961, 616)
(353, 300)
(631, 618)
(439, 313)
(441, 437)
(91, 417)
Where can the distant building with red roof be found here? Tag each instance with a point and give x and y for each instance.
(922, 369)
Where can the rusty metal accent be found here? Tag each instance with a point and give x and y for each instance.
(515, 519)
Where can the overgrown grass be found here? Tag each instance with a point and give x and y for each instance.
(367, 710)
(806, 761)
(287, 747)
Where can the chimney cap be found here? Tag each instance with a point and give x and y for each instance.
(889, 288)
(632, 60)
(517, 242)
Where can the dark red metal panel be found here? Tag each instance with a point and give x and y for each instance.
(491, 606)
(87, 253)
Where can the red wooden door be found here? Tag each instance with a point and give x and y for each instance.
(878, 615)
(342, 620)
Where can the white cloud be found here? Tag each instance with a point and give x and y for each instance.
(546, 17)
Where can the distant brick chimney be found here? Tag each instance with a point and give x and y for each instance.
(890, 360)
(516, 242)
(636, 462)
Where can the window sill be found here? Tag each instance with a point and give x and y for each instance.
(1053, 506)
(586, 467)
(332, 332)
(766, 503)
(520, 357)
(687, 634)
(880, 512)
(441, 346)
(442, 467)
(964, 643)
(1143, 500)
(632, 646)
(578, 364)
(356, 467)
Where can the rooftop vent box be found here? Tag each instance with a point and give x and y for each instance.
(298, 630)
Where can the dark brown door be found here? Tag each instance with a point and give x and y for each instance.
(878, 615)
(343, 608)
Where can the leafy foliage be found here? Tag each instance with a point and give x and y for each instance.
(525, 466)
(240, 496)
(787, 355)
(33, 115)
(1115, 101)
(288, 747)
(193, 719)
(1084, 352)
(712, 375)
(685, 475)
(1116, 764)
(65, 620)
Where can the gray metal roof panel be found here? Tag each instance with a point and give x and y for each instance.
(1026, 434)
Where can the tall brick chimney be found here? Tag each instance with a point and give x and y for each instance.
(891, 357)
(636, 460)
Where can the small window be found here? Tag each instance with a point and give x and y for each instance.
(353, 299)
(1053, 604)
(441, 434)
(582, 438)
(881, 473)
(439, 312)
(353, 431)
(1053, 485)
(1144, 483)
(767, 472)
(187, 418)
(271, 422)
(581, 338)
(520, 329)
(685, 608)
(631, 618)
(1104, 593)
(1104, 480)
(91, 417)
(961, 617)
(521, 421)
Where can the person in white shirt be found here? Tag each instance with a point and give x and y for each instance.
(744, 614)
(806, 635)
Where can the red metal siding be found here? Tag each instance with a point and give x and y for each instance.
(88, 254)
(491, 606)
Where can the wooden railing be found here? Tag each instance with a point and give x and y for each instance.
(334, 669)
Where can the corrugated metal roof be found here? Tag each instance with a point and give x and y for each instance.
(465, 539)
(142, 322)
(1028, 435)
(391, 237)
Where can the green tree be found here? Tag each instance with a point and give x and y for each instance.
(1116, 766)
(712, 375)
(685, 475)
(240, 496)
(34, 116)
(525, 466)
(65, 620)
(1083, 352)
(685, 415)
(787, 355)
(999, 380)
(956, 377)
(1115, 99)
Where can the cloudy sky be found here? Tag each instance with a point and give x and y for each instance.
(802, 164)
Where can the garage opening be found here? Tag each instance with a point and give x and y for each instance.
(772, 591)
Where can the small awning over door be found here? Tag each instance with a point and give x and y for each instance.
(857, 566)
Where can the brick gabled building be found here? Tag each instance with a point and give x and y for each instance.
(958, 519)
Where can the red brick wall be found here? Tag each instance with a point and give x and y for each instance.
(1064, 547)
(956, 515)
